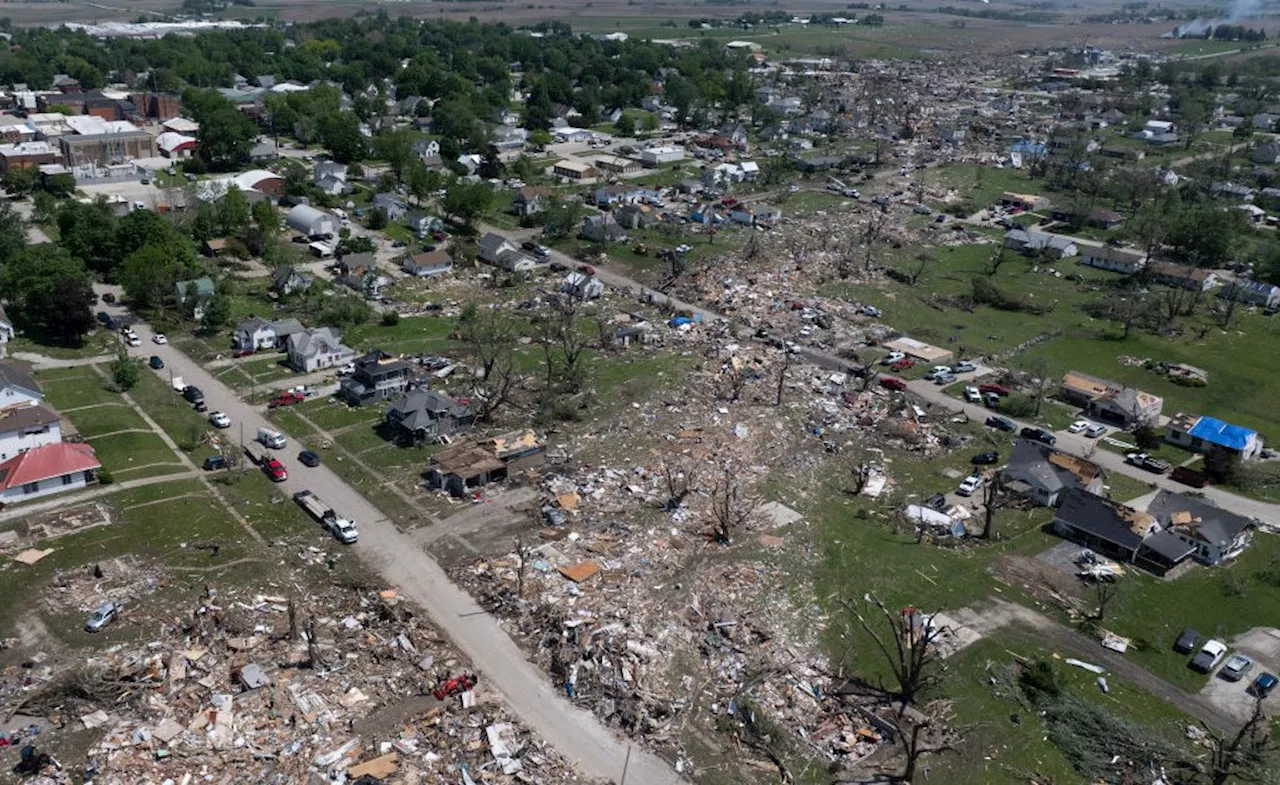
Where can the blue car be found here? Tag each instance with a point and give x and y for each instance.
(1263, 685)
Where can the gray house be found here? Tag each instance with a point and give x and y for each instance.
(312, 350)
(425, 415)
(1031, 243)
(201, 288)
(603, 229)
(1216, 534)
(307, 220)
(1042, 474)
(391, 205)
(377, 376)
(288, 279)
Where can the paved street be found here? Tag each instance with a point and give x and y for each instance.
(404, 564)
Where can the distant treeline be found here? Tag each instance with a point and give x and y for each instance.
(1232, 33)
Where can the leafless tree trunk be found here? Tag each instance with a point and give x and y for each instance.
(522, 553)
(1104, 593)
(922, 261)
(782, 374)
(1244, 756)
(731, 505)
(313, 644)
(910, 652)
(293, 620)
(1230, 302)
(871, 235)
(926, 734)
(563, 341)
(993, 500)
(997, 259)
(679, 478)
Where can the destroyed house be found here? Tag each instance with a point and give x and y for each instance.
(1216, 534)
(376, 376)
(467, 466)
(1043, 475)
(424, 415)
(1118, 531)
(1108, 401)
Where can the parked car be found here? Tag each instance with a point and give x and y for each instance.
(972, 395)
(1236, 666)
(1079, 426)
(970, 484)
(892, 383)
(156, 362)
(133, 340)
(308, 458)
(1095, 430)
(1210, 655)
(1038, 435)
(1001, 424)
(991, 400)
(215, 462)
(1187, 641)
(105, 318)
(159, 338)
(893, 357)
(275, 470)
(1144, 461)
(938, 370)
(586, 269)
(964, 366)
(902, 365)
(1263, 685)
(192, 393)
(220, 420)
(997, 389)
(557, 267)
(985, 458)
(102, 615)
(936, 502)
(108, 298)
(943, 379)
(872, 311)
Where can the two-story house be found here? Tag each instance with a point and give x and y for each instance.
(26, 427)
(312, 350)
(377, 376)
(17, 386)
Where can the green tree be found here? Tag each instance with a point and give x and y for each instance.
(562, 217)
(88, 232)
(225, 134)
(468, 201)
(540, 137)
(13, 232)
(217, 312)
(125, 371)
(45, 207)
(233, 211)
(423, 182)
(49, 293)
(264, 215)
(396, 148)
(150, 273)
(340, 135)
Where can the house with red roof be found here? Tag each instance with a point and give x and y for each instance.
(53, 468)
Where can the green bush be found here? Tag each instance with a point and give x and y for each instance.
(390, 319)
(1039, 680)
(1018, 405)
(104, 477)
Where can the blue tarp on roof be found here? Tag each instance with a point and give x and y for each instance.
(1215, 431)
(1028, 148)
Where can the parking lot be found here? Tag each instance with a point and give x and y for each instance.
(1262, 645)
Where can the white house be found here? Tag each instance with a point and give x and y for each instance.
(17, 386)
(582, 286)
(257, 333)
(1264, 295)
(6, 332)
(53, 468)
(331, 178)
(24, 428)
(1116, 260)
(311, 350)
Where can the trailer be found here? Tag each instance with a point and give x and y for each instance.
(341, 528)
(257, 453)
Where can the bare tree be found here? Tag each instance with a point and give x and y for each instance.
(563, 341)
(782, 374)
(313, 644)
(861, 472)
(927, 732)
(1231, 298)
(1104, 593)
(997, 259)
(490, 337)
(1244, 756)
(994, 499)
(293, 620)
(908, 649)
(921, 261)
(679, 473)
(732, 506)
(523, 554)
(871, 234)
(732, 382)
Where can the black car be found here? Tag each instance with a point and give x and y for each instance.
(155, 362)
(104, 317)
(1001, 424)
(936, 502)
(193, 394)
(308, 458)
(984, 458)
(214, 462)
(200, 406)
(108, 298)
(556, 267)
(1038, 435)
(1187, 641)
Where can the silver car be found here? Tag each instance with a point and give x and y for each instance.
(103, 615)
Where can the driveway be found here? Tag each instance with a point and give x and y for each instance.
(403, 564)
(1262, 645)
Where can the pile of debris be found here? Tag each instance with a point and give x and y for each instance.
(256, 689)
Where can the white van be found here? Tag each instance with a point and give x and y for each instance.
(273, 439)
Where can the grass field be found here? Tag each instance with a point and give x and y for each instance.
(99, 342)
(107, 418)
(72, 388)
(131, 455)
(982, 185)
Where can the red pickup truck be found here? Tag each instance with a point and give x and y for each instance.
(275, 470)
(998, 389)
(286, 399)
(892, 383)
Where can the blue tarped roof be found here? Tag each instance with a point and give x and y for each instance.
(1215, 431)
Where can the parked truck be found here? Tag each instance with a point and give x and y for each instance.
(341, 528)
(178, 385)
(271, 438)
(257, 453)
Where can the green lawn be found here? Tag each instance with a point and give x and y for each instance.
(96, 343)
(1217, 601)
(270, 512)
(125, 453)
(982, 185)
(107, 419)
(934, 310)
(173, 414)
(71, 391)
(1242, 364)
(413, 334)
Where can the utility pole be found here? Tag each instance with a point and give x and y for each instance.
(625, 763)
